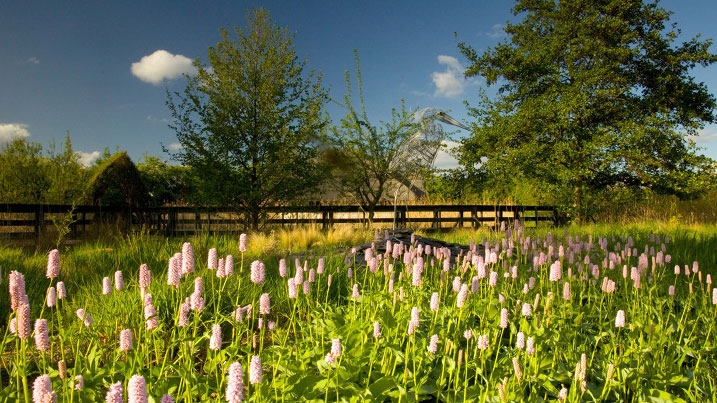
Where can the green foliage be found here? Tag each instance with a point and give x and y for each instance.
(664, 352)
(117, 182)
(166, 184)
(370, 155)
(28, 176)
(250, 119)
(591, 95)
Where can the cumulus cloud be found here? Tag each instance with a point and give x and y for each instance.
(33, 60)
(175, 147)
(12, 131)
(444, 159)
(162, 65)
(449, 83)
(86, 159)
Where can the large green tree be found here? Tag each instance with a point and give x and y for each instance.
(591, 94)
(249, 120)
(369, 159)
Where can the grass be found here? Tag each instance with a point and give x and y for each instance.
(490, 327)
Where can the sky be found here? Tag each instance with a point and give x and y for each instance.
(100, 70)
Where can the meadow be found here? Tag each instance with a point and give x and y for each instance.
(582, 313)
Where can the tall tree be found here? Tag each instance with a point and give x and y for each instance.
(23, 174)
(248, 121)
(592, 93)
(370, 157)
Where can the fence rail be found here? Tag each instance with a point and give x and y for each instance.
(30, 220)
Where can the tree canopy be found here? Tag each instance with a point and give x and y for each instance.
(369, 156)
(591, 94)
(249, 121)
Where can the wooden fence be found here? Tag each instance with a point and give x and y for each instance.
(34, 221)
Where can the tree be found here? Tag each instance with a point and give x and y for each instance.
(68, 178)
(166, 184)
(249, 121)
(23, 174)
(592, 94)
(370, 157)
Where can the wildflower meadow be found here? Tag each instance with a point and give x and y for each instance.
(557, 315)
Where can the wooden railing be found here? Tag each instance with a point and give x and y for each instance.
(27, 221)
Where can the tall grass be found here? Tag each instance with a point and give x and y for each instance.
(494, 325)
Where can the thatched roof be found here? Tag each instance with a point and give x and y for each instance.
(119, 171)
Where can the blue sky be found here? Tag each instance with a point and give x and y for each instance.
(68, 65)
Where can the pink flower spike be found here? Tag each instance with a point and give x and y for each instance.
(125, 340)
(257, 272)
(264, 304)
(114, 393)
(620, 319)
(137, 390)
(53, 264)
(41, 387)
(235, 383)
(215, 341)
(42, 339)
(119, 280)
(255, 373)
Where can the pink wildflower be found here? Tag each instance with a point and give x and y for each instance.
(566, 291)
(235, 383)
(228, 265)
(119, 280)
(145, 277)
(282, 268)
(433, 344)
(41, 388)
(462, 296)
(61, 292)
(620, 319)
(166, 399)
(242, 243)
(434, 302)
(376, 330)
(257, 272)
(264, 304)
(23, 321)
(520, 341)
(106, 286)
(255, 373)
(114, 393)
(51, 297)
(527, 309)
(136, 390)
(483, 342)
(335, 352)
(42, 339)
(212, 259)
(530, 346)
(53, 264)
(79, 382)
(355, 294)
(187, 259)
(125, 340)
(503, 318)
(215, 341)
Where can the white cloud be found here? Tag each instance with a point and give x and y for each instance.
(33, 60)
(162, 65)
(87, 159)
(175, 147)
(706, 135)
(12, 131)
(496, 31)
(449, 83)
(444, 160)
